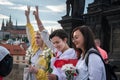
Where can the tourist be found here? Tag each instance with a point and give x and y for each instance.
(83, 39)
(102, 52)
(40, 53)
(57, 41)
(6, 62)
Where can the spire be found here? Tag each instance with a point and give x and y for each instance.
(10, 23)
(16, 22)
(3, 23)
(10, 19)
(6, 23)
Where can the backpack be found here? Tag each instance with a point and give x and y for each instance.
(110, 74)
(6, 65)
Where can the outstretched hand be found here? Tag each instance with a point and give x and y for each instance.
(27, 12)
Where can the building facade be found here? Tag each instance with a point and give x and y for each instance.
(17, 51)
(10, 31)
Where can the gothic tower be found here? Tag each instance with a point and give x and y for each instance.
(3, 25)
(9, 24)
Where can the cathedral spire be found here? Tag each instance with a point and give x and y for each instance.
(10, 19)
(3, 24)
(16, 22)
(6, 23)
(10, 23)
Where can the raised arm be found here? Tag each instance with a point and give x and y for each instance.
(44, 33)
(30, 31)
(27, 13)
(39, 23)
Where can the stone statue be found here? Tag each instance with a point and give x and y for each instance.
(69, 6)
(76, 7)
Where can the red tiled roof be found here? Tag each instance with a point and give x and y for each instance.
(14, 49)
(24, 45)
(17, 31)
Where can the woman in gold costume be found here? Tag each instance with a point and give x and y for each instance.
(40, 54)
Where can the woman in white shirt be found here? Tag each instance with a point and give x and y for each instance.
(83, 40)
(58, 43)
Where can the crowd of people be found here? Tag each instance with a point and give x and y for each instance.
(61, 54)
(50, 52)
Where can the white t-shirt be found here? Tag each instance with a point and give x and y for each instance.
(94, 71)
(68, 54)
(35, 57)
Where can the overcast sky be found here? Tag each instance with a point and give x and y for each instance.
(50, 11)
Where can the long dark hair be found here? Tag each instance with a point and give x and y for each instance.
(88, 37)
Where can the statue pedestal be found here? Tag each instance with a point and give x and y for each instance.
(69, 23)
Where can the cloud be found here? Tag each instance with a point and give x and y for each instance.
(45, 22)
(19, 8)
(5, 2)
(46, 11)
(23, 7)
(49, 22)
(3, 16)
(58, 8)
(49, 11)
(49, 28)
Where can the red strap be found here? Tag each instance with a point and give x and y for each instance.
(1, 78)
(60, 63)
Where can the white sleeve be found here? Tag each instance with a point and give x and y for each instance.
(59, 73)
(45, 37)
(96, 68)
